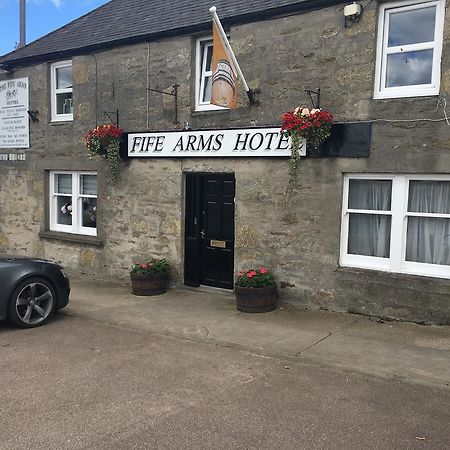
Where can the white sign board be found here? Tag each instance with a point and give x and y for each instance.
(245, 142)
(14, 121)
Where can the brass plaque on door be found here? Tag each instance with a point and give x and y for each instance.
(218, 244)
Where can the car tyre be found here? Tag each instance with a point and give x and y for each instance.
(32, 303)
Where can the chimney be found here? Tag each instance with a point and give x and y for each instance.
(22, 41)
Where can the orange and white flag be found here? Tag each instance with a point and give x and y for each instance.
(224, 79)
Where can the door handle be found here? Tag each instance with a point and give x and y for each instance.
(202, 234)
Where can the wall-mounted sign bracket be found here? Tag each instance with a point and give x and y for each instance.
(315, 104)
(174, 94)
(108, 115)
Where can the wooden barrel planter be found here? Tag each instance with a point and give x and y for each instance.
(256, 300)
(155, 285)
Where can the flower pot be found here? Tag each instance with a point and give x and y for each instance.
(254, 300)
(154, 285)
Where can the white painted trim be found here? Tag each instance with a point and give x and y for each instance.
(382, 92)
(200, 65)
(76, 227)
(396, 263)
(53, 92)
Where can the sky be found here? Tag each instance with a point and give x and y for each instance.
(43, 16)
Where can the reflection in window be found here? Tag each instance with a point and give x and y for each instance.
(412, 27)
(409, 68)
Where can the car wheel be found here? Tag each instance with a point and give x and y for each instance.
(32, 303)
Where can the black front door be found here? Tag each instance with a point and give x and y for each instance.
(209, 238)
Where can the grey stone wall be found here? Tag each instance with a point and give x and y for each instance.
(298, 237)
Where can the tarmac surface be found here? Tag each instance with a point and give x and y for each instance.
(186, 370)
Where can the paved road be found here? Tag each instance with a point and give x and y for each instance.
(79, 384)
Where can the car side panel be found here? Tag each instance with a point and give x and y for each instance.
(10, 275)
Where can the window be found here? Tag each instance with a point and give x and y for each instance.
(73, 202)
(204, 49)
(397, 223)
(61, 81)
(409, 49)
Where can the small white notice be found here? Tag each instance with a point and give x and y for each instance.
(14, 120)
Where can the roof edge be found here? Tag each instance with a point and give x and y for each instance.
(303, 6)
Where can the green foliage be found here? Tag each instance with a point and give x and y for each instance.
(150, 268)
(255, 278)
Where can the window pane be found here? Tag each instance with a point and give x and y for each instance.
(63, 183)
(409, 68)
(370, 194)
(209, 51)
(207, 90)
(64, 78)
(64, 103)
(412, 27)
(64, 210)
(428, 240)
(89, 212)
(429, 197)
(88, 185)
(369, 235)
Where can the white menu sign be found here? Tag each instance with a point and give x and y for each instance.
(14, 121)
(244, 142)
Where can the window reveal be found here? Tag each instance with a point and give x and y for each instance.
(409, 49)
(73, 202)
(62, 89)
(397, 223)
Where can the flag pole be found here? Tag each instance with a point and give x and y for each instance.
(250, 93)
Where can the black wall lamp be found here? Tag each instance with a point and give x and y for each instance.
(33, 115)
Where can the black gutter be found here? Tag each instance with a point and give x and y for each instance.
(295, 8)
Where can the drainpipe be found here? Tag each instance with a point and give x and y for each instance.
(22, 41)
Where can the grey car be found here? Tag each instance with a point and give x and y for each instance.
(31, 290)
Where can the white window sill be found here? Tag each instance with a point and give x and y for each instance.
(388, 95)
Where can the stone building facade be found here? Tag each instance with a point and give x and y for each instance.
(301, 236)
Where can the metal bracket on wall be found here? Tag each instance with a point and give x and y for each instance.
(174, 94)
(317, 94)
(107, 114)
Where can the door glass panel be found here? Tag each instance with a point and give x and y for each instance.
(409, 68)
(369, 235)
(412, 27)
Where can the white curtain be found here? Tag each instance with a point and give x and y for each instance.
(370, 234)
(428, 238)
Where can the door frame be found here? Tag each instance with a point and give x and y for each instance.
(193, 181)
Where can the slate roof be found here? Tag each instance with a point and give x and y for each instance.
(120, 22)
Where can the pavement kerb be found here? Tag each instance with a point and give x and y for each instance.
(283, 357)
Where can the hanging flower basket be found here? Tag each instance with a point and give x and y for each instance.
(104, 142)
(314, 125)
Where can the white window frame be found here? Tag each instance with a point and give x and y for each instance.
(399, 219)
(77, 197)
(420, 90)
(201, 74)
(54, 92)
